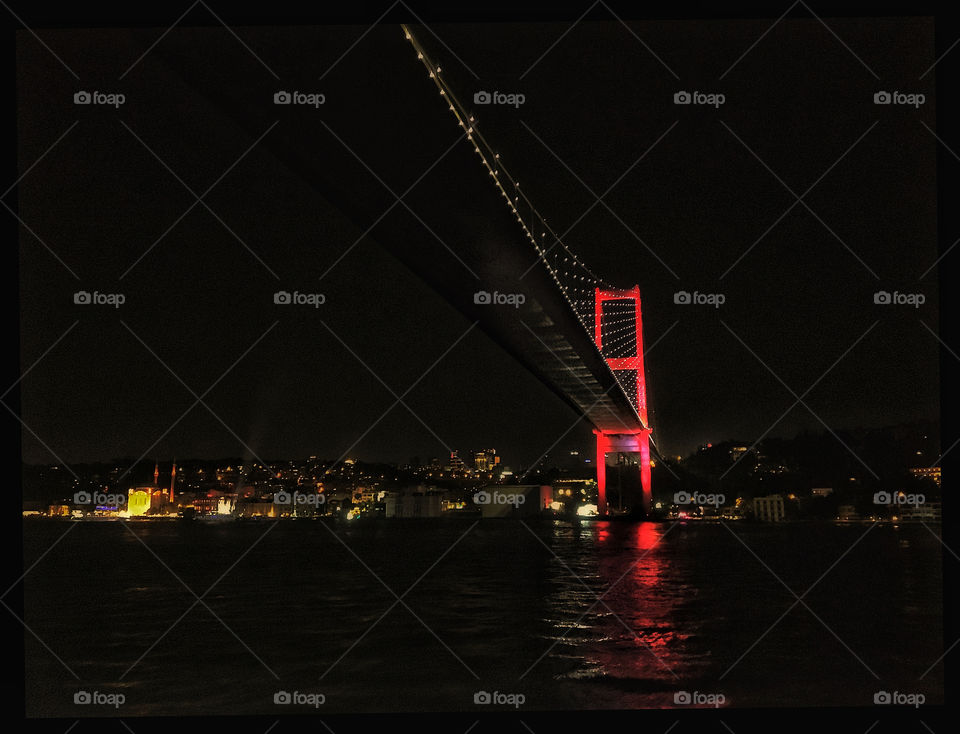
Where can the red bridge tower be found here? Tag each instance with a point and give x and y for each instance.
(629, 439)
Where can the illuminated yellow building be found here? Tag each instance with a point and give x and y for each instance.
(138, 500)
(485, 460)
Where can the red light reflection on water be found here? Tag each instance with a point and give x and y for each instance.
(636, 637)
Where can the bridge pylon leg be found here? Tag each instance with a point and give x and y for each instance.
(633, 443)
(603, 444)
(645, 471)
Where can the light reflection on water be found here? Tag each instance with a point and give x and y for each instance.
(681, 607)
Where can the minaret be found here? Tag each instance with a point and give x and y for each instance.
(156, 475)
(173, 478)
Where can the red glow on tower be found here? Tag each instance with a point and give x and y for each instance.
(636, 441)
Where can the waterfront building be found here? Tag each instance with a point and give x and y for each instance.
(769, 509)
(413, 502)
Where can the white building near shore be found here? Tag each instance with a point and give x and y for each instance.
(769, 509)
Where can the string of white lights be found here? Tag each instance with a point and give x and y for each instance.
(573, 277)
(510, 189)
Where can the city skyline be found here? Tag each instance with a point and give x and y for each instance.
(583, 453)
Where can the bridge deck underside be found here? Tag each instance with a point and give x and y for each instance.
(456, 198)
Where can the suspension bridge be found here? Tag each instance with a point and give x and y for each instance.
(578, 333)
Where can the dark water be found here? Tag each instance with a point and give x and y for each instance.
(510, 608)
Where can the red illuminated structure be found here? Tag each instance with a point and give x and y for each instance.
(629, 439)
(173, 479)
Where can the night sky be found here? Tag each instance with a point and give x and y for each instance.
(699, 199)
